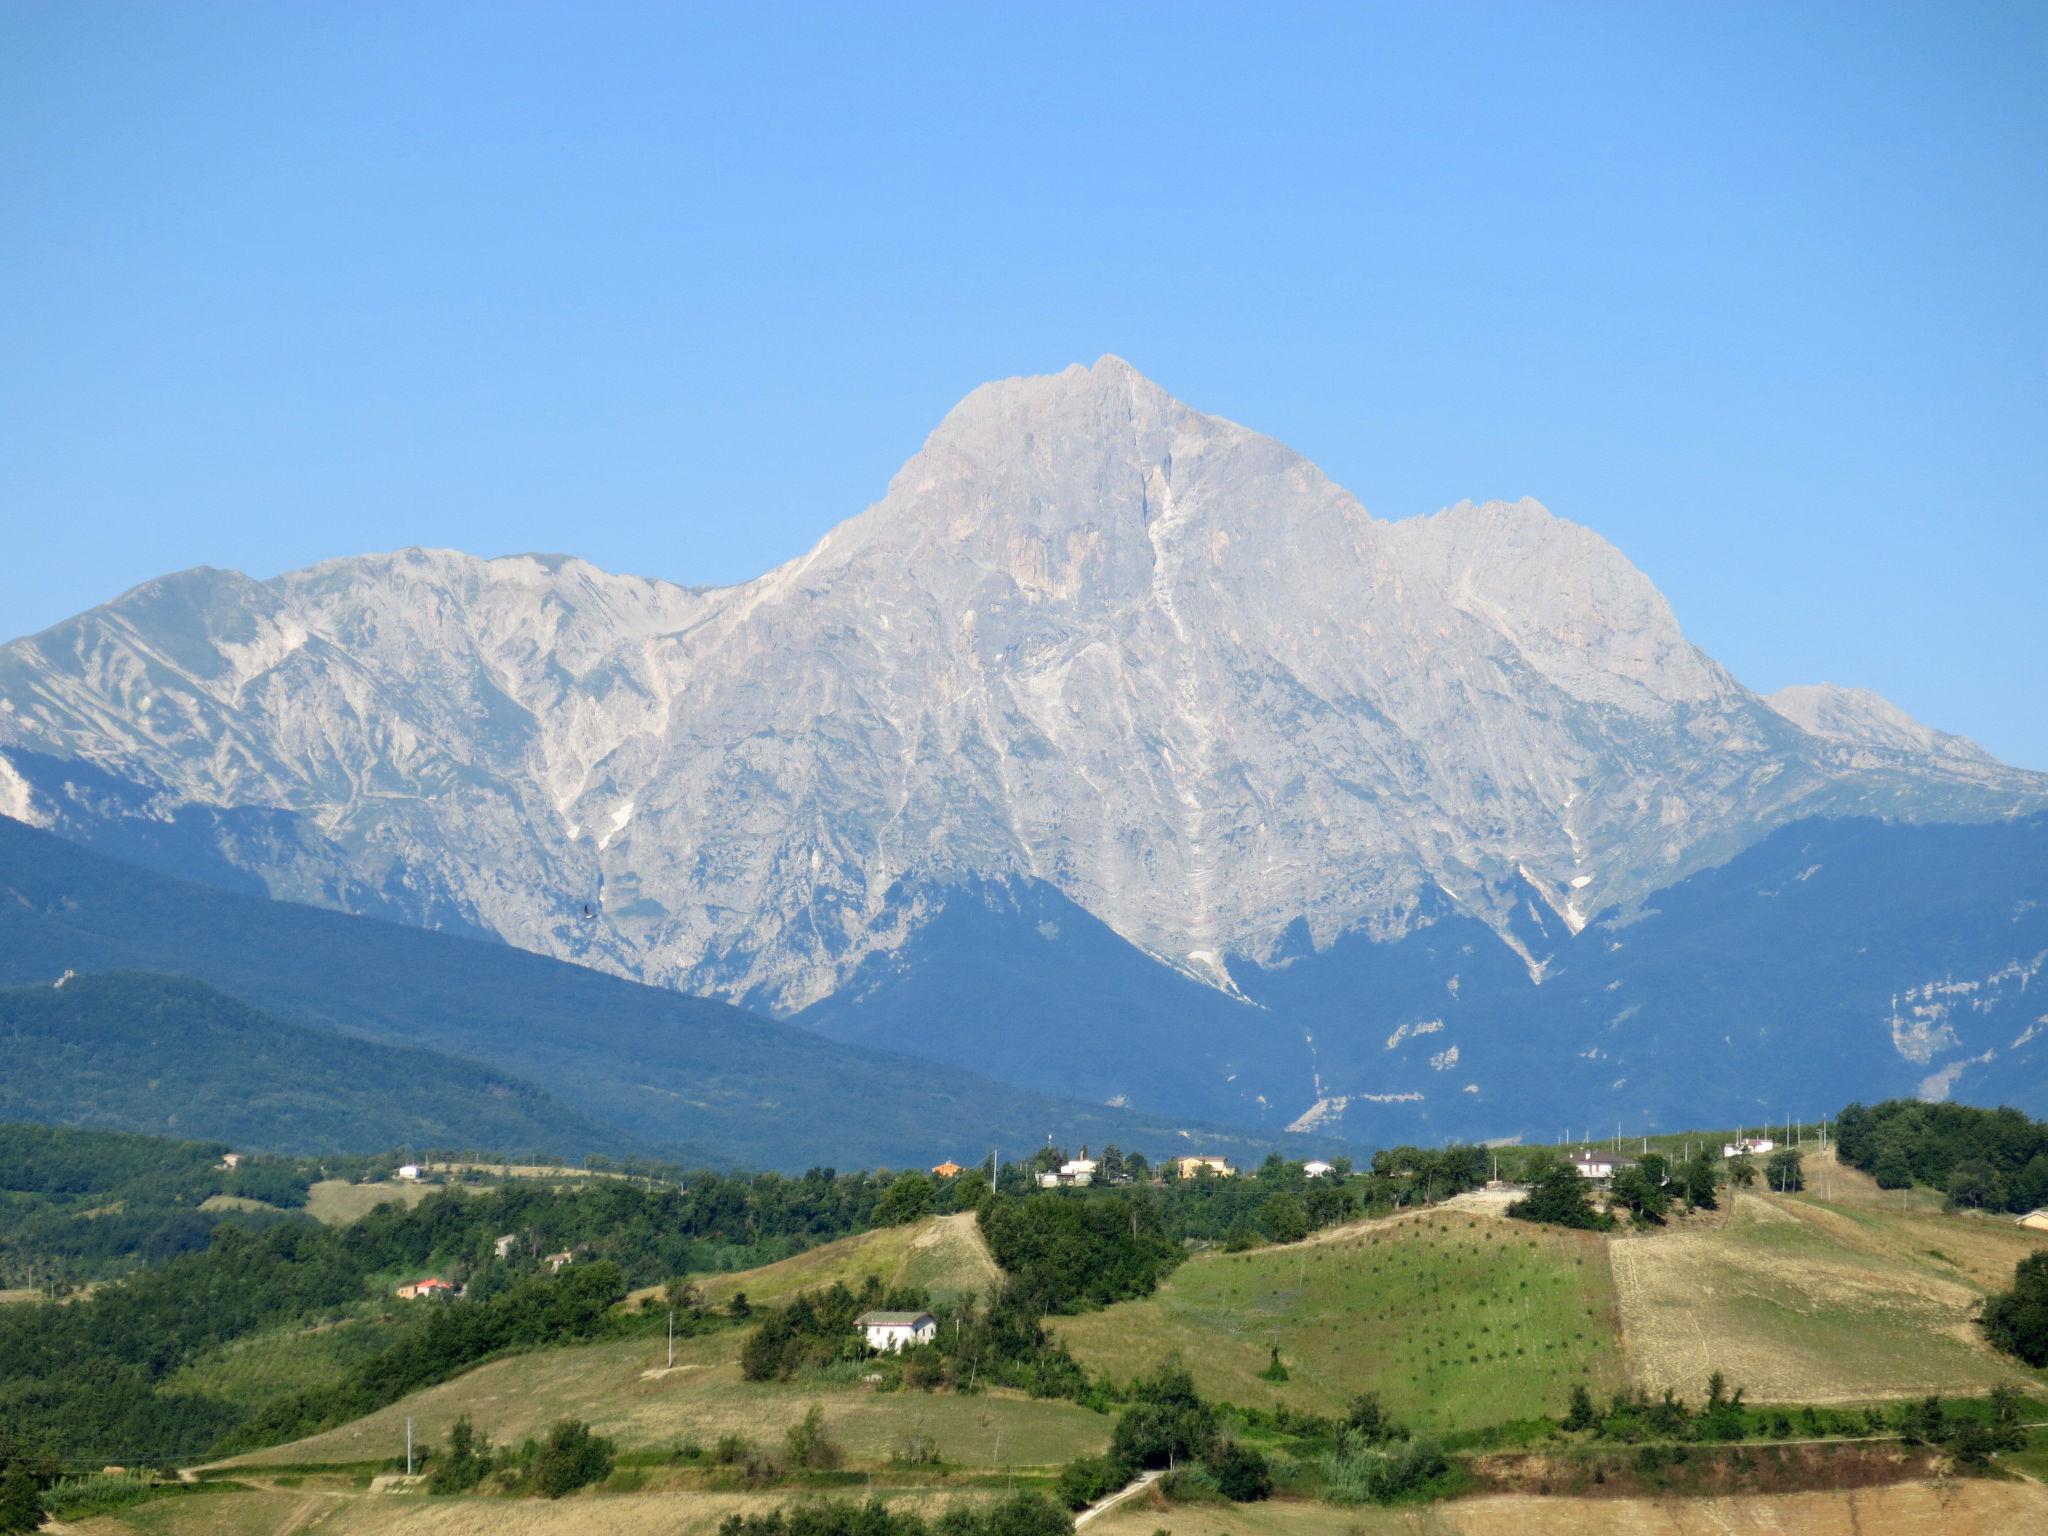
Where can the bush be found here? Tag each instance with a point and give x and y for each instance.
(1086, 1479)
(1241, 1473)
(810, 1445)
(1355, 1473)
(570, 1458)
(467, 1460)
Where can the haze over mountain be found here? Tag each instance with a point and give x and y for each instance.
(1091, 643)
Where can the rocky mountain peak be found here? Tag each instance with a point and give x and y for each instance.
(1859, 719)
(1090, 637)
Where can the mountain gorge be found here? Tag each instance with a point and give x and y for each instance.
(1113, 733)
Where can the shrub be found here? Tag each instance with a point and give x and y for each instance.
(810, 1445)
(1355, 1473)
(1241, 1473)
(1086, 1479)
(467, 1460)
(570, 1458)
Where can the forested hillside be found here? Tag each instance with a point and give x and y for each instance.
(169, 1055)
(687, 1077)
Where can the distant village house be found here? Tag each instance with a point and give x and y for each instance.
(1315, 1168)
(1078, 1172)
(555, 1261)
(2036, 1220)
(1188, 1167)
(409, 1171)
(231, 1160)
(433, 1285)
(891, 1332)
(1742, 1146)
(948, 1170)
(1595, 1165)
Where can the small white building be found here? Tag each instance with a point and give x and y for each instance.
(890, 1332)
(1743, 1145)
(230, 1161)
(1078, 1171)
(1315, 1168)
(1594, 1165)
(2036, 1221)
(409, 1171)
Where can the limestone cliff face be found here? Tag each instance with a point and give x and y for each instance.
(1089, 635)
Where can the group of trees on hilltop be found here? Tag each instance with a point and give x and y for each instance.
(1986, 1159)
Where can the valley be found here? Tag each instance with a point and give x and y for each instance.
(1837, 1309)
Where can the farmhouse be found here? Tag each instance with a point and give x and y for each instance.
(1079, 1172)
(409, 1171)
(1595, 1165)
(1188, 1167)
(1316, 1168)
(948, 1170)
(555, 1261)
(1743, 1145)
(2037, 1220)
(230, 1160)
(894, 1331)
(430, 1287)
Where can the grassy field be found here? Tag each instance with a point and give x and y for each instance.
(943, 1255)
(1813, 1300)
(1452, 1318)
(621, 1388)
(267, 1365)
(234, 1203)
(337, 1202)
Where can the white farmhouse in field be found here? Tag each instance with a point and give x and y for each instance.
(409, 1171)
(2035, 1220)
(890, 1332)
(1594, 1165)
(1315, 1168)
(1743, 1145)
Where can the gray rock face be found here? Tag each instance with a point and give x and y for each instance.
(1089, 635)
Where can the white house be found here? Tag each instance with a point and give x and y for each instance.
(1315, 1168)
(409, 1171)
(1079, 1171)
(2035, 1220)
(890, 1332)
(1745, 1144)
(1594, 1165)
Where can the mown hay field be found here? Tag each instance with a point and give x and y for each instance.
(942, 1255)
(1804, 1300)
(337, 1202)
(1453, 1318)
(622, 1389)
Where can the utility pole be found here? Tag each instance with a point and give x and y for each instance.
(408, 1445)
(671, 1338)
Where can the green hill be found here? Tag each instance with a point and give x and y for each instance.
(171, 1056)
(685, 1076)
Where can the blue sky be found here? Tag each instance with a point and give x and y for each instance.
(1755, 291)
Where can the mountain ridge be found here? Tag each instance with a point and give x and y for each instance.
(1089, 636)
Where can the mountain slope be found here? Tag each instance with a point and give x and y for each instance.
(164, 1055)
(683, 1075)
(1090, 637)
